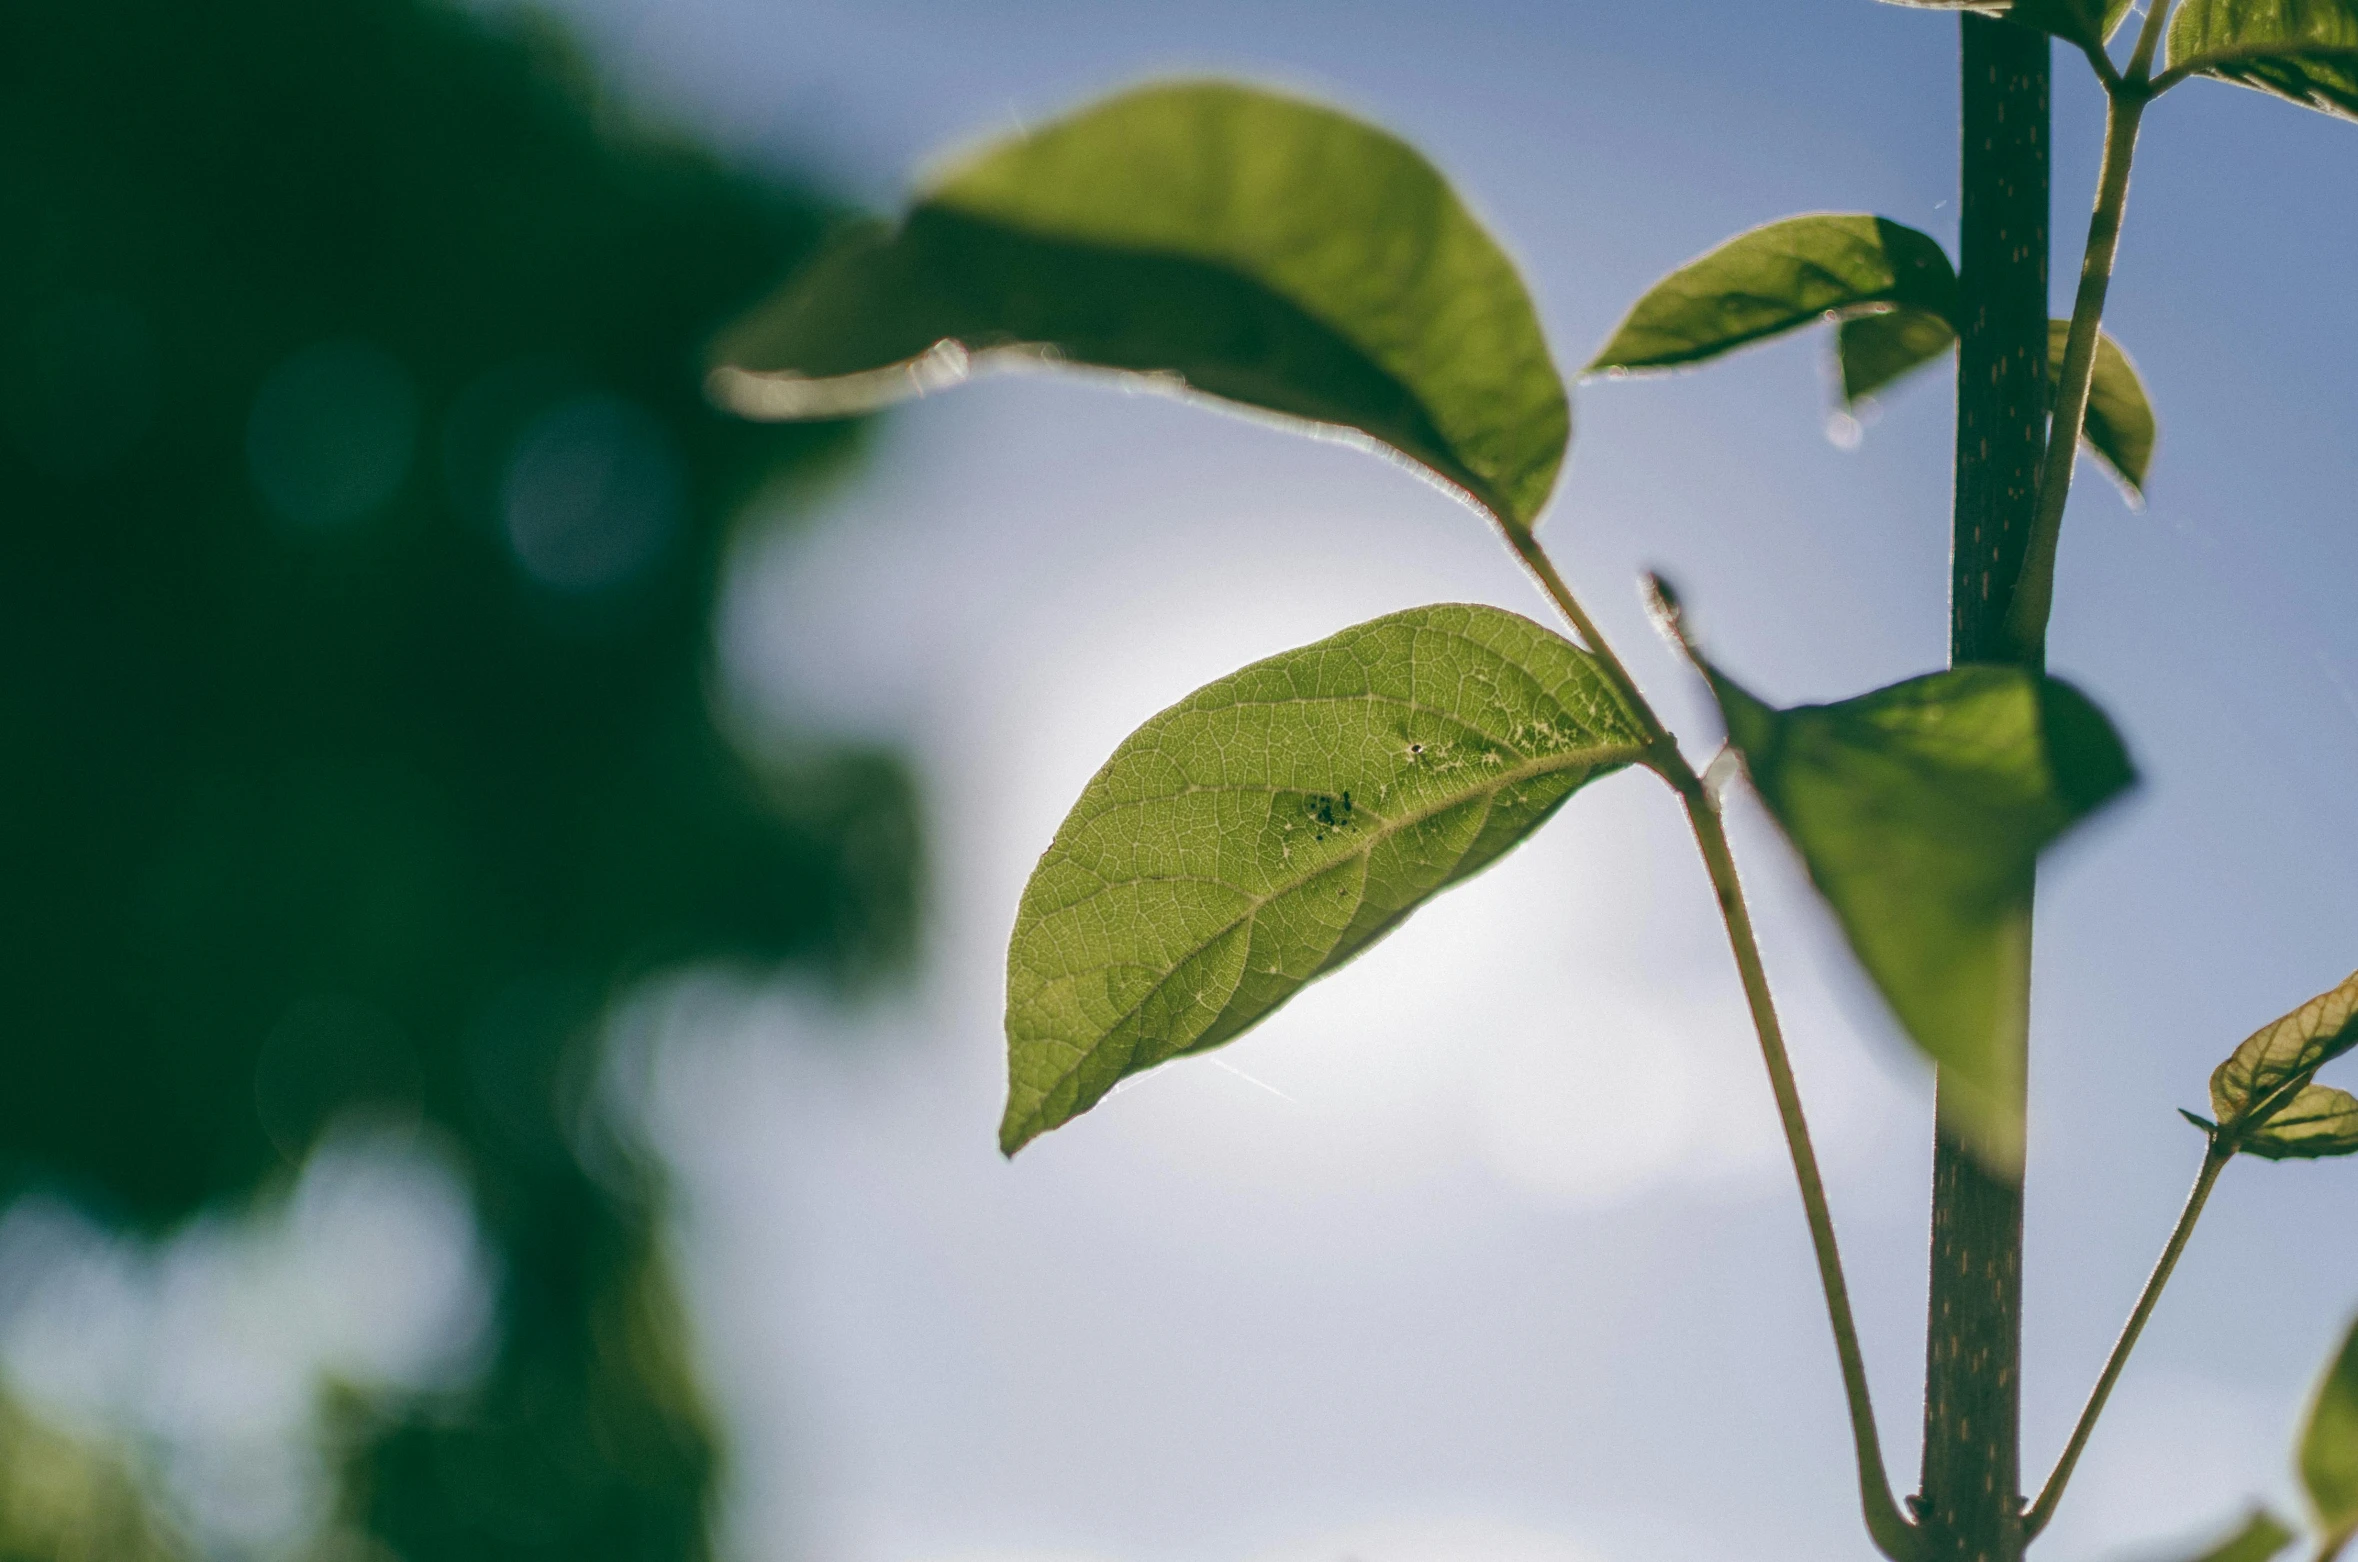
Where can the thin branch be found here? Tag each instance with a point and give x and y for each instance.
(2214, 1160)
(2149, 38)
(1889, 1528)
(2034, 596)
(1534, 557)
(1893, 1535)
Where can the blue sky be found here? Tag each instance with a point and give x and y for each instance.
(1484, 1248)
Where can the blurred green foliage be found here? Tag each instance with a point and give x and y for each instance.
(361, 521)
(63, 1501)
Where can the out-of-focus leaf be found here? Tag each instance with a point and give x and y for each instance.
(1921, 810)
(2269, 1074)
(2317, 1122)
(2119, 426)
(2260, 1539)
(1873, 350)
(2303, 50)
(63, 1500)
(1273, 824)
(2087, 23)
(1248, 245)
(2329, 1449)
(1774, 278)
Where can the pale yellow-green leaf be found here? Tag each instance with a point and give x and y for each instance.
(2277, 1061)
(2319, 1121)
(1273, 824)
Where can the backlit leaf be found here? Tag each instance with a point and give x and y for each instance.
(1920, 811)
(2329, 1449)
(2260, 1539)
(2119, 425)
(2276, 1062)
(2085, 22)
(1273, 824)
(2088, 23)
(1777, 277)
(1239, 243)
(1875, 350)
(2304, 50)
(2317, 1122)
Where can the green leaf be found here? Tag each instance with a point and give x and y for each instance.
(1775, 278)
(1874, 350)
(2119, 425)
(2304, 50)
(2268, 1072)
(2329, 1449)
(2087, 23)
(1242, 244)
(2260, 1539)
(1273, 824)
(1920, 811)
(2317, 1122)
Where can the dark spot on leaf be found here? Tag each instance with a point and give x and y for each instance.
(1331, 813)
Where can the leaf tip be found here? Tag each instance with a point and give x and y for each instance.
(1666, 610)
(1015, 1132)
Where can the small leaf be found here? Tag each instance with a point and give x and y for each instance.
(1876, 349)
(1920, 811)
(2303, 50)
(2087, 23)
(1775, 278)
(1273, 824)
(2260, 1539)
(2318, 1122)
(2276, 1062)
(1239, 243)
(2119, 426)
(2329, 1450)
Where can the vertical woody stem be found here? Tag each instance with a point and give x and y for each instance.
(1970, 1507)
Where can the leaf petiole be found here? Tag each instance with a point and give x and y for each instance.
(2214, 1161)
(1893, 1535)
(2034, 596)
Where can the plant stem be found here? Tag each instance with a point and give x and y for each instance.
(1527, 548)
(1886, 1525)
(1969, 1507)
(2125, 104)
(2214, 1161)
(1893, 1535)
